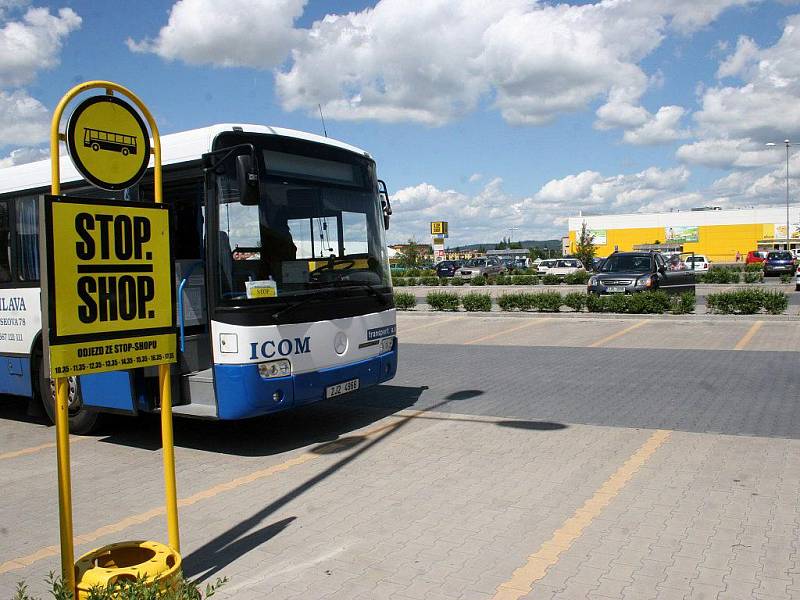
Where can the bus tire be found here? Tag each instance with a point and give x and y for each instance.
(124, 152)
(81, 419)
(95, 147)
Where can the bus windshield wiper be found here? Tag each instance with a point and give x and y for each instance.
(364, 286)
(289, 308)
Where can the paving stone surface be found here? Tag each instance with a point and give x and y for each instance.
(445, 482)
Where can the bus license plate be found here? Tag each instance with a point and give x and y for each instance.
(341, 388)
(615, 289)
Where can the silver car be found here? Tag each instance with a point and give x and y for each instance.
(480, 266)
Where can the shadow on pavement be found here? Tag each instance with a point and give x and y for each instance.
(215, 555)
(533, 425)
(323, 421)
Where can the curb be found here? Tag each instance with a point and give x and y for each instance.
(422, 310)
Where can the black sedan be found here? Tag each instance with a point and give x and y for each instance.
(447, 268)
(629, 272)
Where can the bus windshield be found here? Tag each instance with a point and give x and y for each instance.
(318, 225)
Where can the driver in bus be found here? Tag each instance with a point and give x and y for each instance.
(277, 244)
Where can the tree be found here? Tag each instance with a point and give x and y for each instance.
(502, 245)
(584, 247)
(514, 246)
(411, 254)
(481, 249)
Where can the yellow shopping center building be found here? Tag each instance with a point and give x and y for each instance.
(718, 234)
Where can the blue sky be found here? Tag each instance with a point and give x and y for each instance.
(511, 113)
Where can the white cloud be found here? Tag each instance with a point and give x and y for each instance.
(24, 121)
(663, 127)
(233, 33)
(475, 177)
(33, 44)
(764, 107)
(487, 215)
(23, 155)
(726, 154)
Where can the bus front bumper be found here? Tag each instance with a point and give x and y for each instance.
(241, 392)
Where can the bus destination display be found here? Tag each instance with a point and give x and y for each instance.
(110, 285)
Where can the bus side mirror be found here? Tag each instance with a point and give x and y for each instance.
(247, 178)
(383, 194)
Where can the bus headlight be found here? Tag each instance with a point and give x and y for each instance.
(275, 368)
(387, 344)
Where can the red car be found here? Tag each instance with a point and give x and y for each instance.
(755, 256)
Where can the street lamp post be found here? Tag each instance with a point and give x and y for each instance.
(787, 143)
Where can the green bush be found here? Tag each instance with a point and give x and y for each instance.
(616, 303)
(580, 277)
(500, 280)
(443, 281)
(443, 301)
(549, 279)
(683, 304)
(786, 278)
(428, 272)
(399, 282)
(404, 300)
(412, 281)
(429, 280)
(457, 281)
(124, 589)
(595, 303)
(752, 267)
(547, 301)
(412, 272)
(509, 302)
(655, 303)
(720, 275)
(475, 302)
(753, 276)
(738, 302)
(775, 303)
(478, 280)
(523, 280)
(575, 300)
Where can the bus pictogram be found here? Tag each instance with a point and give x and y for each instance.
(97, 139)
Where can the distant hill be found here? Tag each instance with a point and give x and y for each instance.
(551, 244)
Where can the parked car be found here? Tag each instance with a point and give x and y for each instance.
(479, 266)
(629, 272)
(779, 262)
(698, 263)
(596, 264)
(447, 268)
(755, 256)
(544, 267)
(565, 266)
(508, 264)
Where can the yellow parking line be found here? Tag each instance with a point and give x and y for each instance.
(742, 344)
(439, 322)
(533, 321)
(34, 449)
(524, 578)
(50, 551)
(614, 336)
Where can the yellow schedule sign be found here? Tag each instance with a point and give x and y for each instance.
(439, 228)
(108, 142)
(110, 285)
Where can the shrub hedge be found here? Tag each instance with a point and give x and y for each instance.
(443, 300)
(478, 280)
(404, 300)
(475, 302)
(429, 280)
(575, 300)
(457, 281)
(124, 589)
(580, 277)
(748, 302)
(549, 279)
(720, 275)
(753, 276)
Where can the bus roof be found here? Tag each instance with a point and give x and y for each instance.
(175, 148)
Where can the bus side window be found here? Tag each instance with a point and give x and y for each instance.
(5, 243)
(27, 243)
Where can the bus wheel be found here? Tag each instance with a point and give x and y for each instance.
(124, 152)
(95, 147)
(81, 420)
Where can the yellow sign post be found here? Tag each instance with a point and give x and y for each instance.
(109, 144)
(439, 228)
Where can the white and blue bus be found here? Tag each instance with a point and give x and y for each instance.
(282, 273)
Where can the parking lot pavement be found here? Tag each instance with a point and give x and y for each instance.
(640, 331)
(494, 469)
